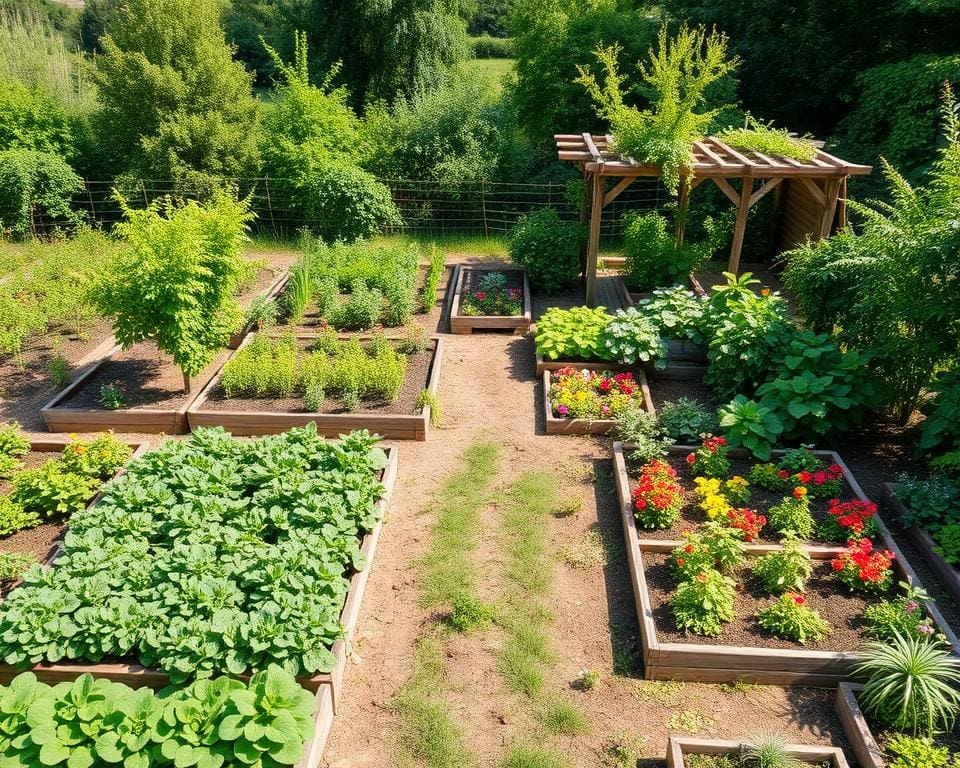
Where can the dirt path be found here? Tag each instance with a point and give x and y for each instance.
(488, 389)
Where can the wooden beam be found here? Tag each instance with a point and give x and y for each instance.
(770, 184)
(830, 209)
(593, 244)
(592, 148)
(585, 218)
(842, 204)
(740, 225)
(683, 196)
(621, 185)
(725, 187)
(814, 190)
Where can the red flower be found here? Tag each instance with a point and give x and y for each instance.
(691, 458)
(689, 549)
(702, 578)
(835, 469)
(805, 477)
(783, 474)
(681, 562)
(480, 295)
(798, 599)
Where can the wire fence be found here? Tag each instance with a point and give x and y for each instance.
(426, 207)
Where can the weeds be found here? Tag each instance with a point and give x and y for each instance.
(588, 553)
(689, 721)
(561, 718)
(738, 686)
(622, 750)
(534, 757)
(468, 614)
(666, 693)
(425, 398)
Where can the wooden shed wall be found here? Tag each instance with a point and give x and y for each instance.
(799, 215)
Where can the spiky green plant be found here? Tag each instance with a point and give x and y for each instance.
(768, 750)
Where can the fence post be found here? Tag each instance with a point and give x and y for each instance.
(273, 223)
(93, 210)
(143, 188)
(483, 205)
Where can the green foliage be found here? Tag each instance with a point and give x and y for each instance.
(99, 458)
(703, 603)
(487, 47)
(792, 619)
(13, 442)
(685, 420)
(948, 543)
(247, 544)
(34, 186)
(904, 615)
(427, 398)
(50, 490)
(97, 722)
(173, 102)
(15, 518)
(572, 334)
(428, 296)
(930, 503)
(361, 310)
(33, 119)
(176, 285)
(717, 547)
(59, 369)
(637, 427)
(677, 76)
(917, 752)
(750, 425)
(764, 138)
(768, 751)
(909, 684)
(113, 397)
(468, 613)
(653, 256)
(14, 564)
(630, 338)
(941, 429)
(785, 569)
(677, 312)
(549, 248)
(262, 313)
(793, 515)
(297, 293)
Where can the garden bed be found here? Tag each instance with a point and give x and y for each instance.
(679, 746)
(466, 280)
(155, 402)
(668, 657)
(271, 293)
(328, 686)
(557, 425)
(398, 420)
(948, 574)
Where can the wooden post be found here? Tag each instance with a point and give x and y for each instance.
(740, 226)
(831, 189)
(593, 245)
(683, 204)
(584, 219)
(842, 205)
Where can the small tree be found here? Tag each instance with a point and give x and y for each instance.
(177, 283)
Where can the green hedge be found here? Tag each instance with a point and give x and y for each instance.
(487, 47)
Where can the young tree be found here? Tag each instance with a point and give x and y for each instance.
(175, 105)
(177, 283)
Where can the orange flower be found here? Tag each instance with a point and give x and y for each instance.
(799, 492)
(764, 291)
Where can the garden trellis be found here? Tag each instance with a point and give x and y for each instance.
(810, 195)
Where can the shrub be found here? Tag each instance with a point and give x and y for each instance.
(864, 569)
(548, 248)
(14, 518)
(50, 490)
(703, 603)
(487, 47)
(792, 619)
(686, 420)
(428, 299)
(784, 569)
(793, 515)
(941, 429)
(572, 334)
(750, 425)
(910, 684)
(658, 497)
(931, 502)
(99, 458)
(710, 458)
(652, 256)
(361, 309)
(13, 443)
(904, 615)
(35, 187)
(630, 339)
(676, 312)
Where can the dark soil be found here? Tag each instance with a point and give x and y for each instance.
(824, 593)
(148, 378)
(761, 500)
(665, 391)
(415, 381)
(471, 277)
(37, 541)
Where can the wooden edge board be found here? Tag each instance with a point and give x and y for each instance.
(862, 742)
(272, 292)
(414, 426)
(557, 426)
(463, 324)
(678, 746)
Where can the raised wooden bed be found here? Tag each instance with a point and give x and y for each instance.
(557, 426)
(855, 726)
(59, 418)
(327, 686)
(556, 365)
(414, 426)
(948, 574)
(697, 662)
(461, 324)
(678, 746)
(272, 292)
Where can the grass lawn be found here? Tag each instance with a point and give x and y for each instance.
(495, 69)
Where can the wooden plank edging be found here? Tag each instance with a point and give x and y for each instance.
(678, 746)
(463, 324)
(862, 742)
(559, 426)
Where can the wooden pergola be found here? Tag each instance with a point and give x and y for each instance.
(821, 181)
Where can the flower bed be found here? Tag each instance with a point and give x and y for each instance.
(482, 301)
(401, 414)
(751, 604)
(586, 401)
(323, 531)
(679, 746)
(947, 573)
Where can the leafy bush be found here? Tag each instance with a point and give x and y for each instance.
(750, 425)
(630, 339)
(572, 334)
(792, 619)
(487, 47)
(785, 569)
(36, 186)
(212, 537)
(653, 258)
(33, 119)
(549, 248)
(703, 603)
(917, 752)
(910, 684)
(948, 543)
(716, 548)
(686, 420)
(764, 138)
(941, 429)
(14, 518)
(676, 312)
(792, 515)
(177, 283)
(904, 615)
(51, 489)
(361, 309)
(930, 503)
(13, 443)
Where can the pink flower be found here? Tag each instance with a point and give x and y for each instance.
(925, 629)
(480, 295)
(910, 606)
(605, 410)
(563, 410)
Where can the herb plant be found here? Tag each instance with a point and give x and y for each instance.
(793, 515)
(572, 334)
(14, 564)
(703, 603)
(685, 421)
(903, 615)
(784, 569)
(630, 338)
(791, 618)
(637, 427)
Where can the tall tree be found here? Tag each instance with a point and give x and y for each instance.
(388, 48)
(175, 104)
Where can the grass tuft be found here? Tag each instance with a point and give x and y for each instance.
(533, 757)
(561, 718)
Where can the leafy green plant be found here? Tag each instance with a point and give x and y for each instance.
(314, 396)
(361, 310)
(549, 249)
(297, 293)
(941, 429)
(50, 490)
(685, 420)
(903, 615)
(750, 425)
(653, 257)
(13, 443)
(98, 458)
(710, 459)
(59, 369)
(428, 296)
(637, 427)
(15, 518)
(785, 569)
(790, 618)
(177, 283)
(917, 752)
(14, 564)
(630, 338)
(263, 313)
(113, 397)
(793, 515)
(425, 398)
(910, 684)
(762, 137)
(676, 312)
(680, 71)
(769, 750)
(718, 547)
(930, 502)
(351, 399)
(572, 334)
(468, 613)
(703, 603)
(948, 543)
